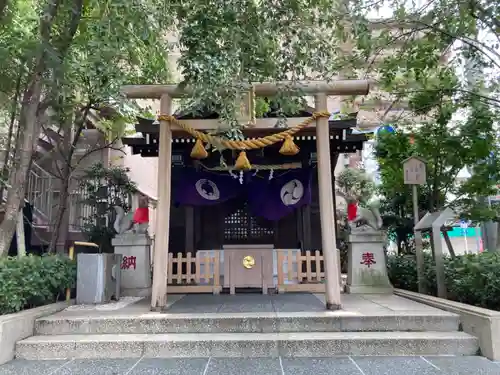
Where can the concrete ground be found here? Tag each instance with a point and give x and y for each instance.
(369, 304)
(260, 366)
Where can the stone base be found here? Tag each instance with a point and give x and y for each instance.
(367, 272)
(131, 239)
(333, 307)
(136, 266)
(136, 292)
(368, 289)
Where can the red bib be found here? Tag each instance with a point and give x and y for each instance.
(352, 211)
(141, 215)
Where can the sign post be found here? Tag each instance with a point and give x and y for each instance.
(490, 228)
(415, 174)
(464, 225)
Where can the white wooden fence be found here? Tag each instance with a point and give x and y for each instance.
(202, 273)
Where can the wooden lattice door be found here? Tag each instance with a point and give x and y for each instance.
(241, 227)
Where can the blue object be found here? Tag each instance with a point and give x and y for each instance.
(385, 129)
(490, 159)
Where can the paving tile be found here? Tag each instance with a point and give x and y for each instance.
(97, 367)
(395, 366)
(359, 304)
(224, 303)
(297, 303)
(319, 366)
(244, 366)
(197, 303)
(397, 303)
(157, 366)
(22, 367)
(465, 365)
(246, 303)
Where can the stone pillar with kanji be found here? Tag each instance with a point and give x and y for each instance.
(136, 263)
(367, 273)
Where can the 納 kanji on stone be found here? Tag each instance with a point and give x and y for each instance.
(128, 263)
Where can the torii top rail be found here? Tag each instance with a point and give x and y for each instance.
(337, 88)
(320, 90)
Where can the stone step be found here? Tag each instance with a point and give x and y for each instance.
(158, 323)
(304, 344)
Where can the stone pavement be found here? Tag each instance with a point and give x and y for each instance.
(260, 366)
(369, 305)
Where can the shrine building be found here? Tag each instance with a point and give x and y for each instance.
(258, 214)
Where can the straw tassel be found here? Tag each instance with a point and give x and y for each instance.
(199, 151)
(289, 148)
(242, 163)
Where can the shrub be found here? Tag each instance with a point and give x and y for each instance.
(34, 281)
(473, 279)
(402, 271)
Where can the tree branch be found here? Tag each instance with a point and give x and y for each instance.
(65, 40)
(454, 173)
(476, 5)
(3, 8)
(80, 126)
(475, 44)
(473, 93)
(100, 148)
(47, 19)
(412, 23)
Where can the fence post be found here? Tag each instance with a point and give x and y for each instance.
(216, 272)
(317, 261)
(197, 277)
(170, 268)
(281, 276)
(289, 263)
(298, 260)
(308, 266)
(179, 268)
(188, 268)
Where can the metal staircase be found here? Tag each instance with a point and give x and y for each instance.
(40, 194)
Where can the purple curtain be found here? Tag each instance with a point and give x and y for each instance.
(276, 198)
(205, 189)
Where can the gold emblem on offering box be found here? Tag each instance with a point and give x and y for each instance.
(248, 262)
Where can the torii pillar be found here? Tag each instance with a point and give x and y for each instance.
(160, 262)
(326, 209)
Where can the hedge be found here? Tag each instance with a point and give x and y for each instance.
(473, 278)
(33, 281)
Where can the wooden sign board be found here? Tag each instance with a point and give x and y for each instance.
(414, 171)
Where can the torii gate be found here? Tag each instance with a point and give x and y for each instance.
(320, 90)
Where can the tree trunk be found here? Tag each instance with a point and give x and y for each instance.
(21, 239)
(3, 7)
(68, 147)
(498, 238)
(61, 213)
(29, 132)
(64, 171)
(12, 123)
